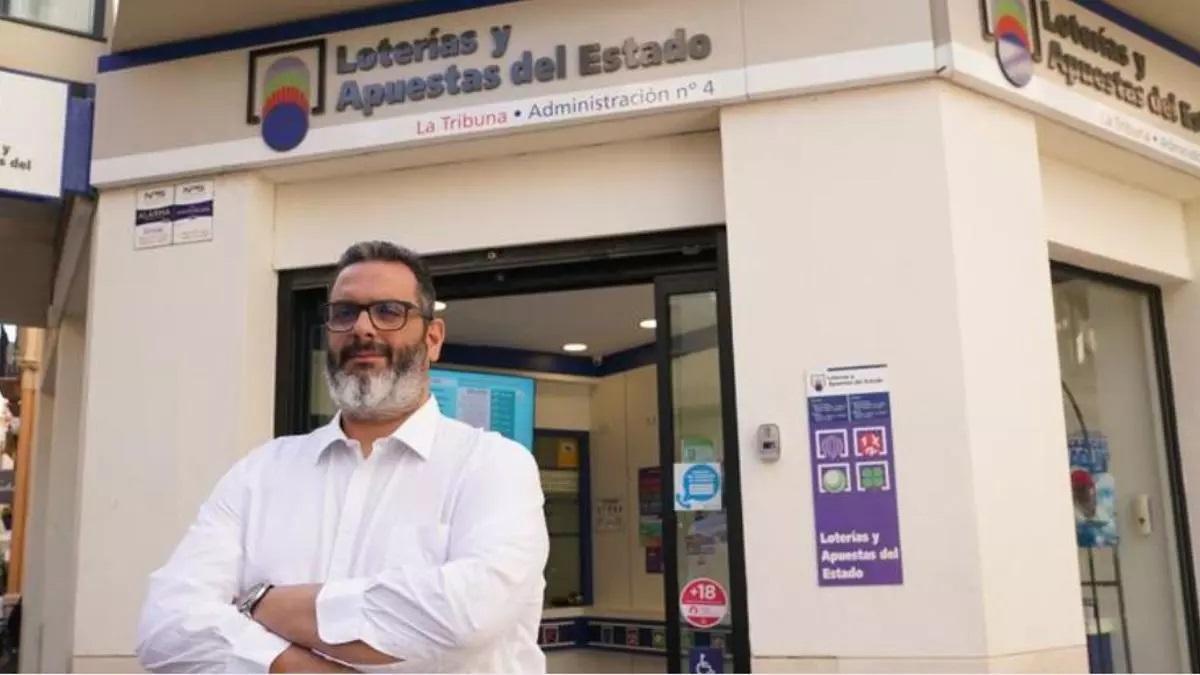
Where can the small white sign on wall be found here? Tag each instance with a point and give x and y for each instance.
(152, 218)
(193, 212)
(174, 214)
(610, 515)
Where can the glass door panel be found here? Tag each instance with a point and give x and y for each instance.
(702, 594)
(1122, 483)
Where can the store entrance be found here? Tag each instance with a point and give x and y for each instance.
(610, 360)
(1126, 482)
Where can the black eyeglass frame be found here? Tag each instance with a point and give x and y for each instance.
(409, 309)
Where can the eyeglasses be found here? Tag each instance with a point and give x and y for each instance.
(389, 315)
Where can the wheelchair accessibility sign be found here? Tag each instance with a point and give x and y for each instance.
(698, 487)
(705, 660)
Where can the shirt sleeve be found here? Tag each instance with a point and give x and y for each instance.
(498, 546)
(188, 621)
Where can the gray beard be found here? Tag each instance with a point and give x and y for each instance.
(380, 395)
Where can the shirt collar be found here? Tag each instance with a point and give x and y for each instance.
(416, 433)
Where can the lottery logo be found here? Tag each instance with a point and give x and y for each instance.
(1014, 44)
(286, 93)
(287, 87)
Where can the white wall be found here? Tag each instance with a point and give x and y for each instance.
(178, 385)
(563, 405)
(887, 238)
(635, 186)
(624, 439)
(612, 561)
(1097, 222)
(641, 450)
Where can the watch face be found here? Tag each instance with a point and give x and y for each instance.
(247, 600)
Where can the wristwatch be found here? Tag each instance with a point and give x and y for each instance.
(247, 601)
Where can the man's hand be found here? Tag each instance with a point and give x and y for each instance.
(299, 660)
(291, 613)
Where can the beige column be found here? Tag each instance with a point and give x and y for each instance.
(903, 225)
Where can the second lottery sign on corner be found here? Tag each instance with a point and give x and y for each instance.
(853, 457)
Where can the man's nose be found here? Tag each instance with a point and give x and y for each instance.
(363, 327)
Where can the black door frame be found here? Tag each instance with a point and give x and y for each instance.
(557, 266)
(664, 287)
(1166, 397)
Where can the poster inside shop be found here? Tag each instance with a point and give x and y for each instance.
(1093, 491)
(610, 515)
(650, 506)
(853, 458)
(654, 560)
(650, 517)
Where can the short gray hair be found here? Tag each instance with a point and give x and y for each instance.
(386, 251)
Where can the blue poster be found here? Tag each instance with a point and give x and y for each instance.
(500, 403)
(1093, 491)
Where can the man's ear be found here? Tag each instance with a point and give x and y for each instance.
(435, 337)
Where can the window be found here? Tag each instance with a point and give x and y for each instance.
(562, 460)
(77, 16)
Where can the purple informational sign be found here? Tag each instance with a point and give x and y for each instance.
(853, 459)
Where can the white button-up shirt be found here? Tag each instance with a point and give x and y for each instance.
(431, 550)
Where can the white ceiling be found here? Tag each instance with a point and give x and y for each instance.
(605, 319)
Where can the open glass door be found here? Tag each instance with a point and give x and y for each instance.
(702, 534)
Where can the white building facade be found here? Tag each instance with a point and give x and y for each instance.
(1000, 203)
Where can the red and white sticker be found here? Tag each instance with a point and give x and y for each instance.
(703, 602)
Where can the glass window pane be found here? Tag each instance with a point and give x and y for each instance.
(1118, 459)
(76, 15)
(701, 537)
(557, 457)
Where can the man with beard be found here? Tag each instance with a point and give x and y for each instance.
(391, 539)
